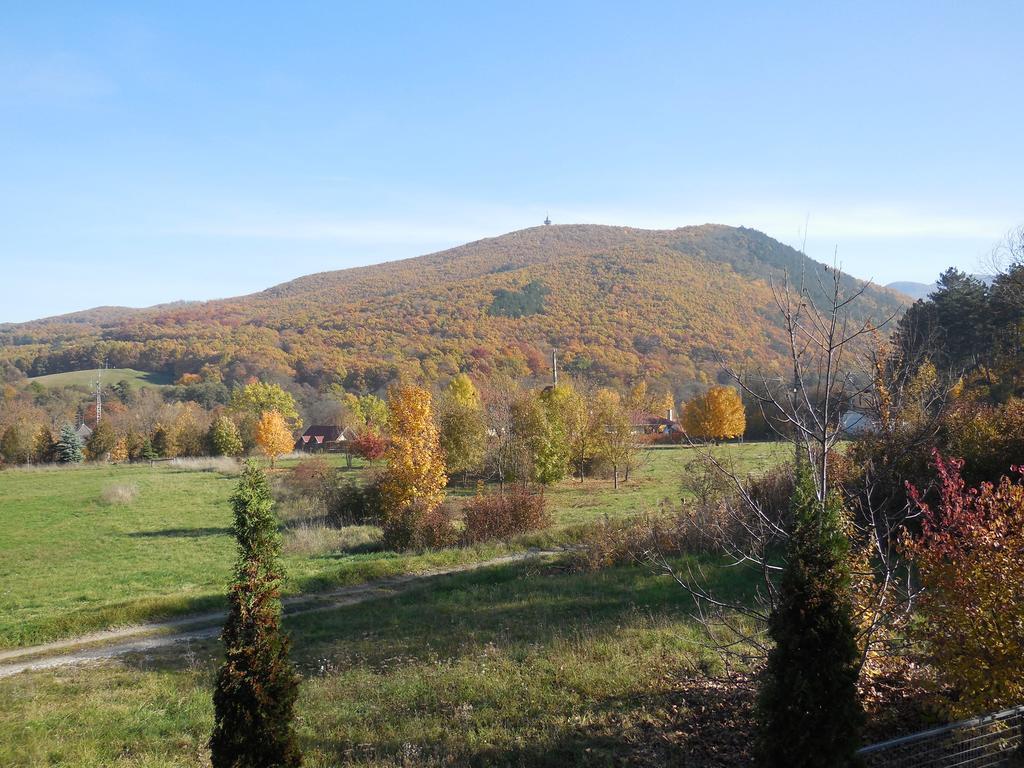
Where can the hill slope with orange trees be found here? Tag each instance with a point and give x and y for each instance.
(616, 302)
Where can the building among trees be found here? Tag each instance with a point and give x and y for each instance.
(652, 424)
(322, 437)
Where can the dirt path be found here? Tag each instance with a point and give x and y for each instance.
(144, 637)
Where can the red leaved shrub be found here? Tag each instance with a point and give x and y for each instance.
(970, 558)
(501, 515)
(370, 445)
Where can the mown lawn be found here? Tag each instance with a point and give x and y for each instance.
(71, 562)
(516, 665)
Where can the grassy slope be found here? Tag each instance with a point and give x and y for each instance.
(509, 666)
(72, 563)
(110, 376)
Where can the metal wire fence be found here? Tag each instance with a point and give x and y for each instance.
(982, 742)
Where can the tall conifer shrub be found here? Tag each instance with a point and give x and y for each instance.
(257, 685)
(809, 715)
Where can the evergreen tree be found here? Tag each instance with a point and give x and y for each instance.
(1006, 298)
(809, 715)
(256, 686)
(69, 446)
(148, 452)
(963, 314)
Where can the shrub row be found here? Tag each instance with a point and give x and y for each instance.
(486, 517)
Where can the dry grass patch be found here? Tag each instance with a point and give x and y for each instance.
(226, 465)
(119, 493)
(313, 538)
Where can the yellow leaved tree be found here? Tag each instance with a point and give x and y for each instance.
(119, 453)
(412, 486)
(273, 437)
(717, 414)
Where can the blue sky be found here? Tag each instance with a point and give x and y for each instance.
(153, 152)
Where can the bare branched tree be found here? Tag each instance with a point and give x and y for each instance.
(1006, 255)
(826, 384)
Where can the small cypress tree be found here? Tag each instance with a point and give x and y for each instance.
(257, 685)
(148, 452)
(69, 446)
(809, 715)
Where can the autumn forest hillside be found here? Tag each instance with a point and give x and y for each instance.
(616, 302)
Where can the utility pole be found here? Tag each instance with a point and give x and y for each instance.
(554, 367)
(99, 393)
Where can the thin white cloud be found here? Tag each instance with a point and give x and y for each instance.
(462, 222)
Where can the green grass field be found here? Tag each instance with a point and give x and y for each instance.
(73, 562)
(516, 665)
(525, 664)
(110, 376)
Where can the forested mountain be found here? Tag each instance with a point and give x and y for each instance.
(616, 302)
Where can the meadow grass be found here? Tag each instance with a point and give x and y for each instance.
(71, 561)
(512, 665)
(658, 478)
(87, 378)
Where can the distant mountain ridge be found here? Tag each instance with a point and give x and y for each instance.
(922, 290)
(912, 289)
(617, 302)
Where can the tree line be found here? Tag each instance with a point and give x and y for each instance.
(501, 428)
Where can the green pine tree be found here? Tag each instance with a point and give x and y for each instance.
(148, 452)
(257, 685)
(808, 711)
(69, 446)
